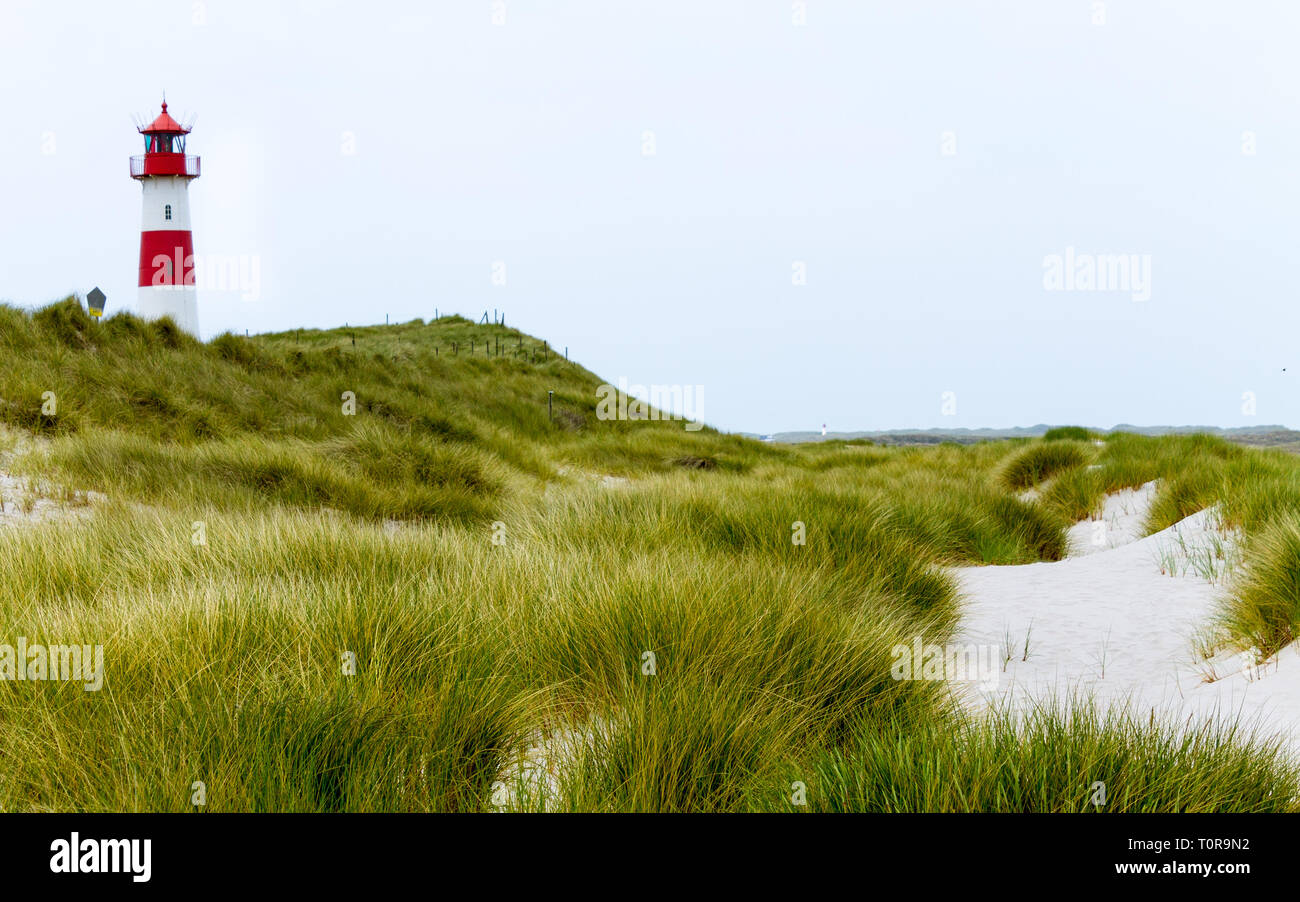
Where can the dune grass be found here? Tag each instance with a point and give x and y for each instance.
(225, 661)
(1077, 494)
(1264, 607)
(1073, 433)
(1063, 757)
(1041, 460)
(307, 609)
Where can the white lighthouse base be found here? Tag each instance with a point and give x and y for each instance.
(180, 302)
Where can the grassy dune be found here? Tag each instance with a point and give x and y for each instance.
(311, 610)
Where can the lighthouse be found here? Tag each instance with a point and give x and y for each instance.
(166, 244)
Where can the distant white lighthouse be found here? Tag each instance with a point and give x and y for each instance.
(166, 244)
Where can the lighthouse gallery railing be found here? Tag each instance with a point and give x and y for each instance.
(164, 164)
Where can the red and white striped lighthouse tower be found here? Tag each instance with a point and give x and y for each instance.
(166, 245)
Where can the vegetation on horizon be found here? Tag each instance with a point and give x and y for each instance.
(1074, 433)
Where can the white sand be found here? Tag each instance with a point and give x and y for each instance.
(1119, 524)
(1107, 622)
(532, 778)
(25, 502)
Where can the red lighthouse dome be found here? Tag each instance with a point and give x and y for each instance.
(164, 145)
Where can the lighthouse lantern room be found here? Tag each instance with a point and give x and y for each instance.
(167, 284)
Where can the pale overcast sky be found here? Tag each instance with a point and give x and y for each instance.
(917, 164)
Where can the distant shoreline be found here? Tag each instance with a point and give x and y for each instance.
(1270, 436)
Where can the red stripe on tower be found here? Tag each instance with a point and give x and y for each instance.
(166, 258)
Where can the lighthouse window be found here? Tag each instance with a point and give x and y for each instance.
(167, 212)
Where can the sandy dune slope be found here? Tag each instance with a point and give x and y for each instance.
(1116, 619)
